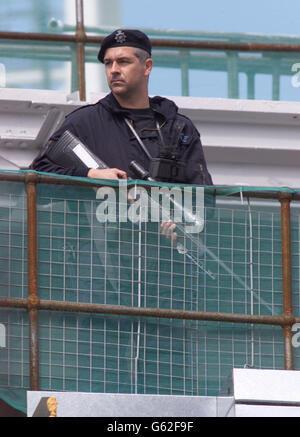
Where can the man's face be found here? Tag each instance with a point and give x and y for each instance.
(125, 73)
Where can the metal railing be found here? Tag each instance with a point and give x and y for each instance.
(33, 304)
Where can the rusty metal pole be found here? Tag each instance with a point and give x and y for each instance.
(33, 299)
(157, 42)
(80, 47)
(285, 199)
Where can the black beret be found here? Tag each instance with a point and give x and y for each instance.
(125, 38)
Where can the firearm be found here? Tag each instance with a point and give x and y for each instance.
(69, 149)
(143, 174)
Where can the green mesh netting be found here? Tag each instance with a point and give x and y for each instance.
(233, 265)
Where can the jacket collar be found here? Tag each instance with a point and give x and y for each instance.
(160, 105)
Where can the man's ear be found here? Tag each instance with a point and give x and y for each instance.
(148, 66)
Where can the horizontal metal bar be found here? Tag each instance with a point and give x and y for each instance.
(156, 42)
(45, 179)
(57, 26)
(30, 36)
(215, 45)
(162, 58)
(148, 312)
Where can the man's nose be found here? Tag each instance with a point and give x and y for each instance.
(115, 67)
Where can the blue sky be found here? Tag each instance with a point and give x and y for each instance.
(255, 16)
(266, 17)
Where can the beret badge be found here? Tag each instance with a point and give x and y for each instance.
(120, 37)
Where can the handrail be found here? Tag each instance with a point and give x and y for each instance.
(156, 42)
(56, 25)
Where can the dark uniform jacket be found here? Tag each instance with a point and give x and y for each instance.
(102, 128)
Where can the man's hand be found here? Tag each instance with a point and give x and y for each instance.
(107, 173)
(167, 229)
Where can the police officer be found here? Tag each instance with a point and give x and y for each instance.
(127, 125)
